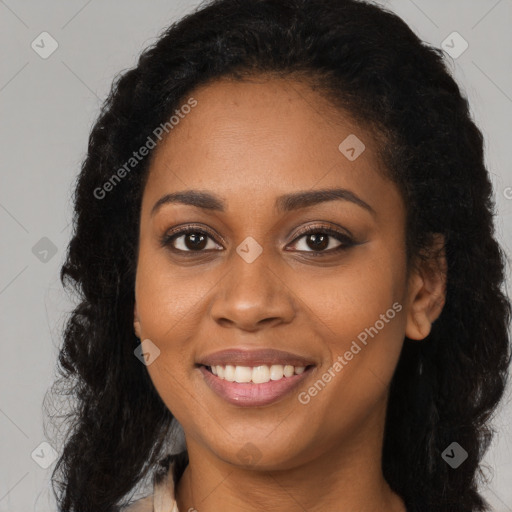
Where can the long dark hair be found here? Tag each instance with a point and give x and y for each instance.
(368, 62)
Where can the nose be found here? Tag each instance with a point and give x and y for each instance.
(252, 296)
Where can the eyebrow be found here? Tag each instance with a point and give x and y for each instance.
(284, 203)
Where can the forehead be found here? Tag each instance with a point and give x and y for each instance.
(264, 137)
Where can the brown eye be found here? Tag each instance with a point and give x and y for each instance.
(319, 239)
(195, 241)
(190, 240)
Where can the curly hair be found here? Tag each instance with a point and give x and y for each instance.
(369, 63)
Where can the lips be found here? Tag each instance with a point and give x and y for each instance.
(250, 394)
(290, 370)
(268, 356)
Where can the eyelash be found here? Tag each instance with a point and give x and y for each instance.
(345, 240)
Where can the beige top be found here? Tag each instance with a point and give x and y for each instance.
(162, 499)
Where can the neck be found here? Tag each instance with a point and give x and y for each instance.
(343, 477)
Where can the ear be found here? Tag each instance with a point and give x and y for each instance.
(136, 321)
(427, 290)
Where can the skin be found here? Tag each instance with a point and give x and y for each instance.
(250, 142)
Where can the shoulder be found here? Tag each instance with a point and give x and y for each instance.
(163, 497)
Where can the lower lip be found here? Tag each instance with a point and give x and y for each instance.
(248, 394)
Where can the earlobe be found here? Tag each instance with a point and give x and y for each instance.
(136, 322)
(418, 326)
(427, 292)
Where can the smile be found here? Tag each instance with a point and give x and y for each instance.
(253, 386)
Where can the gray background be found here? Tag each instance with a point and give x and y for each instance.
(47, 107)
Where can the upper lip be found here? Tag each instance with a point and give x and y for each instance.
(267, 356)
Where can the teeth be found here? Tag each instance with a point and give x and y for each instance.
(243, 374)
(260, 374)
(288, 370)
(229, 372)
(276, 371)
(256, 374)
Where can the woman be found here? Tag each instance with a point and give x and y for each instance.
(284, 246)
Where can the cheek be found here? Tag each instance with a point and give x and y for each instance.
(169, 298)
(170, 308)
(358, 312)
(345, 302)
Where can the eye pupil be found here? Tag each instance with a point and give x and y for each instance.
(317, 241)
(198, 241)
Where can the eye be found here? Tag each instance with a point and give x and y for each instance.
(317, 240)
(322, 239)
(190, 239)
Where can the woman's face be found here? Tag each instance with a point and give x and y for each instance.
(246, 279)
